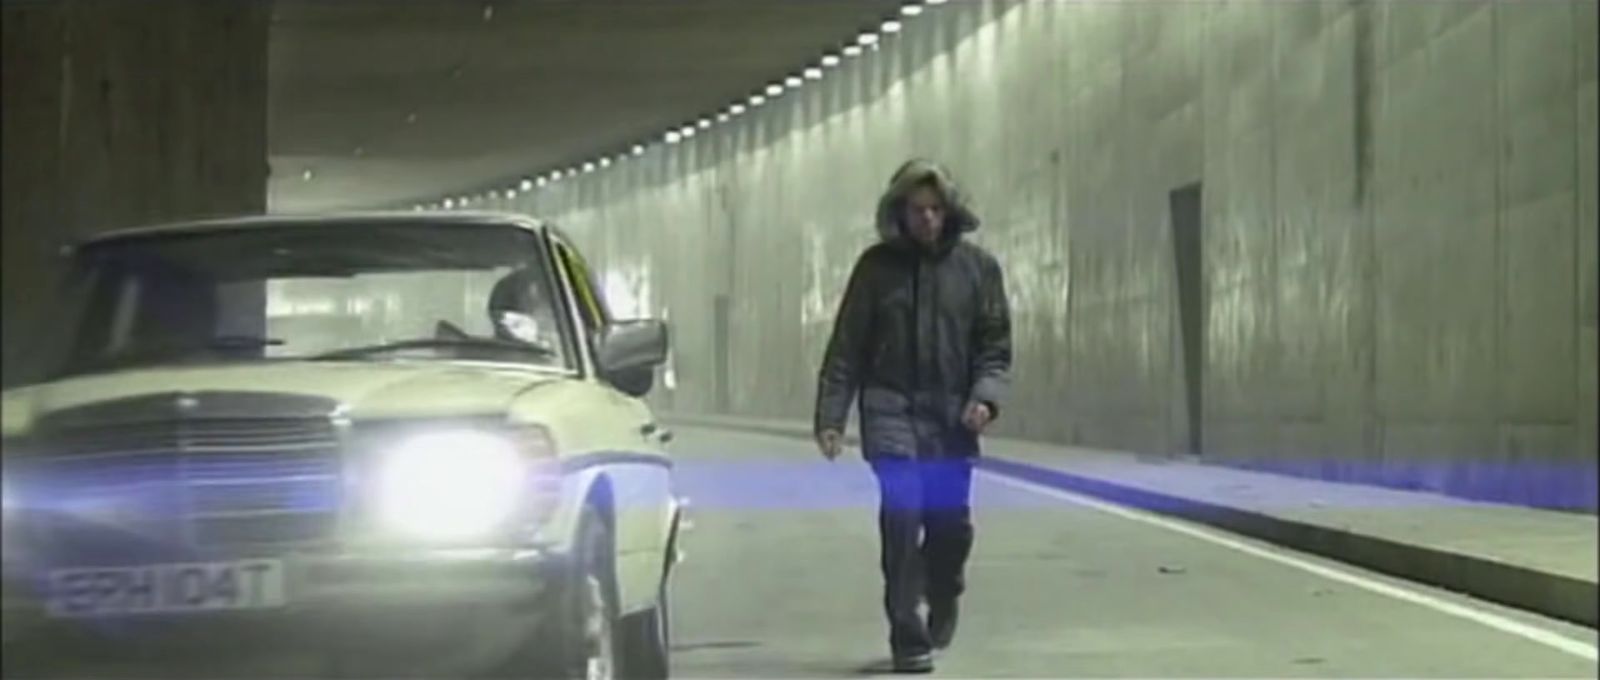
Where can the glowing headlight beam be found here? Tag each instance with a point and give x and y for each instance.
(450, 485)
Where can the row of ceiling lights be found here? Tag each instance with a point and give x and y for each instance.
(863, 42)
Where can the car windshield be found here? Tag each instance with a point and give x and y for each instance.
(330, 292)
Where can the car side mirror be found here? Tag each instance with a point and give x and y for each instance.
(629, 353)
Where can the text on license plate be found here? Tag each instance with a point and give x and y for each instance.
(166, 588)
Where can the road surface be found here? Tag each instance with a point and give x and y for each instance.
(781, 581)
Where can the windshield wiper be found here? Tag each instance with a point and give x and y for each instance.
(541, 351)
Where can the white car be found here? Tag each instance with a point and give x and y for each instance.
(411, 442)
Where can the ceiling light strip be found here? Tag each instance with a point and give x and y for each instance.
(863, 41)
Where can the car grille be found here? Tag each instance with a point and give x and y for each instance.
(211, 483)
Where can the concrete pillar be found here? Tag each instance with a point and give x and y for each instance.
(117, 114)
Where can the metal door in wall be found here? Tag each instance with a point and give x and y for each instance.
(1189, 261)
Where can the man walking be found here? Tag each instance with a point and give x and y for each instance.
(923, 341)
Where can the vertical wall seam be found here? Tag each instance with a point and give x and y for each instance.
(1501, 311)
(1578, 31)
(1275, 358)
(1363, 57)
(1374, 427)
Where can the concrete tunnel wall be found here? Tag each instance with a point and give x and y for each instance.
(1399, 228)
(119, 114)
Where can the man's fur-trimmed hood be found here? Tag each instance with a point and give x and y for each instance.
(959, 218)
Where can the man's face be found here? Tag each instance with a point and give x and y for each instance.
(925, 215)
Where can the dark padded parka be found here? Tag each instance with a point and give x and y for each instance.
(920, 334)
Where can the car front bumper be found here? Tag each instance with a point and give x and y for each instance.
(438, 611)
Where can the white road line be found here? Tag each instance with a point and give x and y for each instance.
(1544, 637)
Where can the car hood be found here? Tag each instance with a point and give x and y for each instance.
(388, 389)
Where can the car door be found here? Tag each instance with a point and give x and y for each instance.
(593, 318)
(627, 434)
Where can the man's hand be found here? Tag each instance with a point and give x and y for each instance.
(831, 442)
(977, 417)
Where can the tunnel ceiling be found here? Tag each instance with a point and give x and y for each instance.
(394, 101)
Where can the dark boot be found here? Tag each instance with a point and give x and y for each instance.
(913, 663)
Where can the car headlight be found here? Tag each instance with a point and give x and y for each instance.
(451, 485)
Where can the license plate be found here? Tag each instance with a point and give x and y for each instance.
(166, 588)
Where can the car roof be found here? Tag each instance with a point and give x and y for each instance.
(366, 219)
